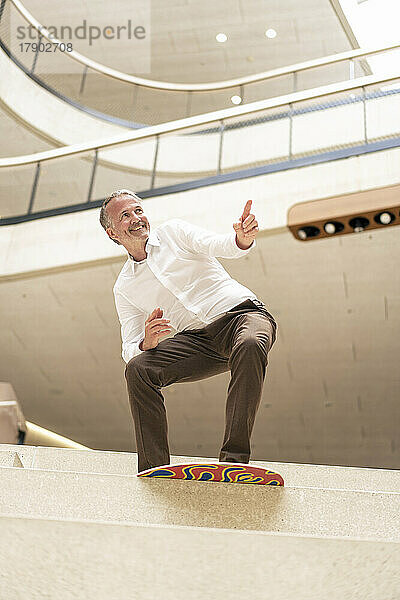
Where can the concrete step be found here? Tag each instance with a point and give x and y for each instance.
(125, 463)
(299, 510)
(111, 560)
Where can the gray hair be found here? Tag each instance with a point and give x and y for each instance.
(105, 220)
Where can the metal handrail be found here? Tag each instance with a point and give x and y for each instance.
(189, 122)
(200, 87)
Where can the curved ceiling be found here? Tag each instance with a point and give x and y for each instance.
(182, 48)
(183, 38)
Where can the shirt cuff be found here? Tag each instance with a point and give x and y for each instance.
(131, 350)
(239, 250)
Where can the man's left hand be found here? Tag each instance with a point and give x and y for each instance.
(246, 228)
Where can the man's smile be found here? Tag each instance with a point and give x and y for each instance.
(138, 227)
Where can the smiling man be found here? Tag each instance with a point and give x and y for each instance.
(172, 280)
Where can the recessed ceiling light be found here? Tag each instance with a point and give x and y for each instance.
(221, 37)
(385, 218)
(270, 33)
(332, 227)
(236, 99)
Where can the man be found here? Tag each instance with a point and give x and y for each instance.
(173, 280)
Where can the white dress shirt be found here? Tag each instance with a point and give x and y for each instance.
(180, 275)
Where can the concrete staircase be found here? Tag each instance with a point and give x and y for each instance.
(79, 524)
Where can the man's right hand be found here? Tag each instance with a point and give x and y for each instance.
(155, 328)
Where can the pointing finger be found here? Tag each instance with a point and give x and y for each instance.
(246, 210)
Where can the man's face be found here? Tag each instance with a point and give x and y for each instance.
(128, 219)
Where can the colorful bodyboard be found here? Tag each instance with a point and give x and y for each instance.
(216, 472)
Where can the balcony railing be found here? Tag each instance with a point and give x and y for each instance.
(302, 128)
(120, 98)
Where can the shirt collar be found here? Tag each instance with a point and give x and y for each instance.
(153, 240)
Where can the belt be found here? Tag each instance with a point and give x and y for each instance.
(259, 303)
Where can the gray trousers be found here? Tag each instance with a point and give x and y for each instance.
(238, 341)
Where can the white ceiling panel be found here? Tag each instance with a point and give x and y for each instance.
(180, 29)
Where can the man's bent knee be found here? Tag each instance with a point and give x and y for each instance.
(140, 370)
(251, 347)
(133, 366)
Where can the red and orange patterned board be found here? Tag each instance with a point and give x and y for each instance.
(217, 472)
